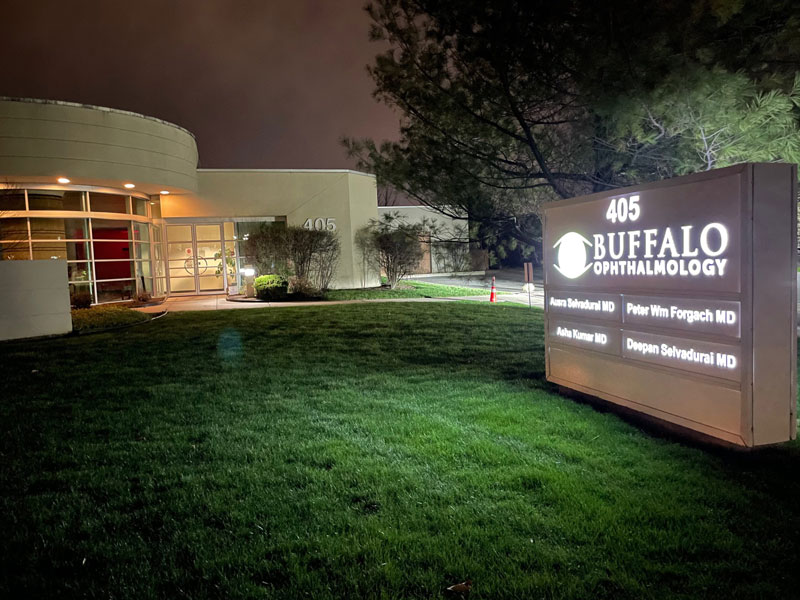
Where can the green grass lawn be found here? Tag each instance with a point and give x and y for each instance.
(379, 451)
(407, 289)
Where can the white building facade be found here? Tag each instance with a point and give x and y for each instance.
(118, 197)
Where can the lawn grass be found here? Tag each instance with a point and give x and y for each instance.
(377, 451)
(406, 289)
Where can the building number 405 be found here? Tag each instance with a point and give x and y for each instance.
(623, 209)
(320, 224)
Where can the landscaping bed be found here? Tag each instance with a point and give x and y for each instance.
(105, 316)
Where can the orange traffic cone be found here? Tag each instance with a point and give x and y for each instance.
(493, 296)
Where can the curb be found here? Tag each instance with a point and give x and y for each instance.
(444, 274)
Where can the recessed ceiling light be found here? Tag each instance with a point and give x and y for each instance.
(129, 186)
(63, 180)
(164, 192)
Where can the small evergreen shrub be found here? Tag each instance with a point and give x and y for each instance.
(271, 287)
(81, 299)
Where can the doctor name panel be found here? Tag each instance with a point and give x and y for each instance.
(706, 358)
(714, 317)
(590, 337)
(597, 306)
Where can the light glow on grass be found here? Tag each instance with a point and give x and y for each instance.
(407, 289)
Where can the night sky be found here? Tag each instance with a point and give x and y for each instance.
(262, 84)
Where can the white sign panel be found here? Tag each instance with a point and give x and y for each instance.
(677, 299)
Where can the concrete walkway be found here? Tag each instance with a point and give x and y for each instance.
(506, 280)
(219, 302)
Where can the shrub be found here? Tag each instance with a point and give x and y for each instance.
(394, 244)
(271, 287)
(452, 256)
(304, 253)
(266, 249)
(301, 287)
(324, 259)
(81, 299)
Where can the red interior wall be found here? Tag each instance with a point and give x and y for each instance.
(112, 250)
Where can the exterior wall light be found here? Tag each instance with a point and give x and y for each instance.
(62, 180)
(129, 186)
(249, 289)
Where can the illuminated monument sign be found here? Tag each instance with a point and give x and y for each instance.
(678, 299)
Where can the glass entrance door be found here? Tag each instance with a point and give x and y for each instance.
(208, 265)
(196, 258)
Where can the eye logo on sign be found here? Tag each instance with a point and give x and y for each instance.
(572, 258)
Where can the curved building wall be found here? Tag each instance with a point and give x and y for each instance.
(42, 140)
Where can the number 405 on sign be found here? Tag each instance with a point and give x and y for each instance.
(320, 223)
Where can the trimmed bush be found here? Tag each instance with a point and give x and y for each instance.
(271, 287)
(81, 299)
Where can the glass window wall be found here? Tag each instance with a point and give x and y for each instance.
(141, 232)
(110, 203)
(59, 229)
(56, 200)
(155, 208)
(139, 206)
(243, 231)
(50, 250)
(14, 229)
(108, 258)
(112, 291)
(12, 199)
(115, 258)
(79, 271)
(15, 250)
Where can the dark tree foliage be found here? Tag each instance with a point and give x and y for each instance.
(508, 104)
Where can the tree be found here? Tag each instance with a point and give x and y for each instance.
(480, 129)
(505, 105)
(394, 244)
(702, 119)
